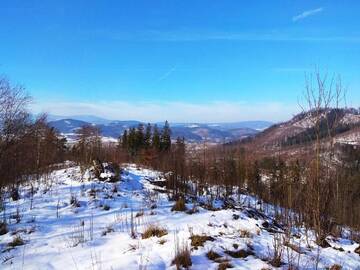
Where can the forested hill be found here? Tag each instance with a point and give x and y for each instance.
(342, 125)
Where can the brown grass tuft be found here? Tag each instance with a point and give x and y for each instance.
(179, 205)
(241, 253)
(224, 266)
(17, 241)
(199, 240)
(182, 258)
(212, 255)
(335, 267)
(154, 230)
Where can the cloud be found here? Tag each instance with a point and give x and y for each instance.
(167, 74)
(220, 111)
(306, 14)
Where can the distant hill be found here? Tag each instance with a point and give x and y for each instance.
(296, 135)
(192, 132)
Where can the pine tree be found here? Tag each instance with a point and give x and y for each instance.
(156, 139)
(166, 137)
(124, 140)
(131, 142)
(147, 139)
(140, 138)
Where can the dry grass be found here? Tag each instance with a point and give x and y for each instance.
(182, 258)
(212, 255)
(242, 253)
(224, 266)
(17, 241)
(245, 234)
(335, 267)
(154, 230)
(199, 240)
(162, 241)
(179, 205)
(293, 247)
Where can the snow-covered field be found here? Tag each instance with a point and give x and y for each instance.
(93, 229)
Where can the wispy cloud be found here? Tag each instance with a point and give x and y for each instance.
(306, 14)
(167, 74)
(220, 111)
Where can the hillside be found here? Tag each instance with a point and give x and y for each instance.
(71, 222)
(297, 134)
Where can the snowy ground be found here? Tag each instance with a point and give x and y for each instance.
(96, 232)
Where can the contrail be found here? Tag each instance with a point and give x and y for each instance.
(167, 74)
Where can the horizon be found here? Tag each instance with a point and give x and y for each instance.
(52, 117)
(184, 61)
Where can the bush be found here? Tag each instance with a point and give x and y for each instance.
(153, 230)
(179, 205)
(106, 207)
(17, 241)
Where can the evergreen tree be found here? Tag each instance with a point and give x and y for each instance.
(131, 142)
(140, 138)
(166, 137)
(156, 139)
(147, 139)
(124, 140)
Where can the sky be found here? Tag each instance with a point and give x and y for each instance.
(184, 61)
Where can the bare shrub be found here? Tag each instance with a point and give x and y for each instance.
(77, 235)
(275, 256)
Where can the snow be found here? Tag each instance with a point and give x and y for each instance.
(193, 126)
(59, 235)
(352, 138)
(350, 119)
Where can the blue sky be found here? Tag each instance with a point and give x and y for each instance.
(206, 61)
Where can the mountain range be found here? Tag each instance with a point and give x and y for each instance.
(192, 132)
